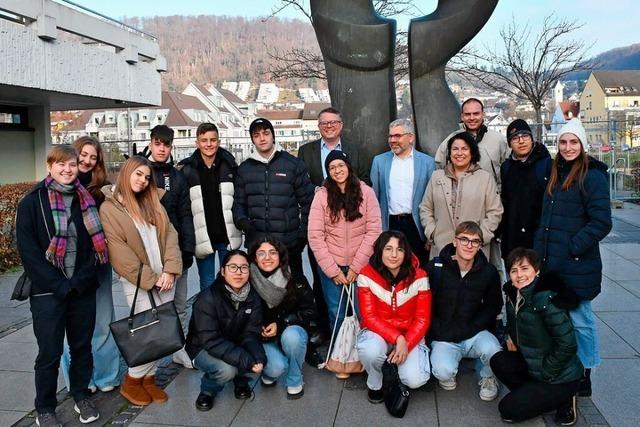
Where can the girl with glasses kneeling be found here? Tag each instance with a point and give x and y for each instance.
(224, 332)
(289, 309)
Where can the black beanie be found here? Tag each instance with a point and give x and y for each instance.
(335, 155)
(518, 127)
(263, 124)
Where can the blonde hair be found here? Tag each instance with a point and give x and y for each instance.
(145, 205)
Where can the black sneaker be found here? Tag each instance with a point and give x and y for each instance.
(204, 402)
(584, 390)
(86, 409)
(47, 419)
(375, 396)
(567, 415)
(242, 391)
(313, 358)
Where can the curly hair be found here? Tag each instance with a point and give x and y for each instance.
(471, 143)
(347, 202)
(407, 269)
(283, 254)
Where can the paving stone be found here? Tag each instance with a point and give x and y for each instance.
(611, 345)
(615, 298)
(8, 418)
(18, 356)
(632, 286)
(180, 409)
(317, 407)
(616, 391)
(18, 391)
(23, 335)
(625, 325)
(630, 251)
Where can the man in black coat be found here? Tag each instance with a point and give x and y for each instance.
(466, 299)
(273, 195)
(524, 176)
(313, 154)
(176, 202)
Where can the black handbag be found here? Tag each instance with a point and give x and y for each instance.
(149, 335)
(396, 394)
(22, 290)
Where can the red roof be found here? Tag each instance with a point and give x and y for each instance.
(280, 114)
(570, 107)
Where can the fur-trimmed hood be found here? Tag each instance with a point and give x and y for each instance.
(564, 297)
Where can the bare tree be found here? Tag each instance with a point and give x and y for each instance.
(301, 63)
(528, 65)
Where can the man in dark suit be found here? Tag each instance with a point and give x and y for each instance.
(313, 154)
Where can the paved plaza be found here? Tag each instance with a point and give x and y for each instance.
(328, 401)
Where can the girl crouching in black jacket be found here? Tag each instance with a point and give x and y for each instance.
(224, 332)
(288, 310)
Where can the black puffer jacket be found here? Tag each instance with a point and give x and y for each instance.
(273, 198)
(297, 307)
(462, 306)
(177, 204)
(523, 186)
(226, 333)
(542, 330)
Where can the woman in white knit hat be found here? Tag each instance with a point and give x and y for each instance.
(576, 216)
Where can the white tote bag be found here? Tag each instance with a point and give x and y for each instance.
(342, 357)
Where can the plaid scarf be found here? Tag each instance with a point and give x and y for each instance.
(58, 246)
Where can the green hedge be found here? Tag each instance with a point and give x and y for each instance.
(10, 195)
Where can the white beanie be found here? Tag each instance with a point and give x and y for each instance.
(575, 127)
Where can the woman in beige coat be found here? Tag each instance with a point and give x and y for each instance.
(140, 237)
(460, 192)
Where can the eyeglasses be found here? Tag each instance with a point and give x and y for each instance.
(263, 254)
(475, 243)
(524, 138)
(234, 268)
(334, 168)
(330, 123)
(398, 135)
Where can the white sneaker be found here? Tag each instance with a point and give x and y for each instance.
(488, 388)
(449, 384)
(295, 392)
(106, 389)
(182, 358)
(92, 388)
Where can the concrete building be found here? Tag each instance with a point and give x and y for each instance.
(268, 93)
(310, 118)
(610, 108)
(287, 125)
(59, 57)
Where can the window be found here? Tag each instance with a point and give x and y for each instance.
(13, 117)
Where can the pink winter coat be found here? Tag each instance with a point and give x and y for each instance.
(343, 243)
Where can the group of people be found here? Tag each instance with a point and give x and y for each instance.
(423, 242)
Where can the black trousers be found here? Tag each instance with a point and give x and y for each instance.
(52, 317)
(407, 226)
(528, 397)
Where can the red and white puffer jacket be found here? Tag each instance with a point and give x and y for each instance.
(391, 312)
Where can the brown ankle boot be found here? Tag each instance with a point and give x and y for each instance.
(157, 394)
(134, 392)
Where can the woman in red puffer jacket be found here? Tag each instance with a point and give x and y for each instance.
(395, 311)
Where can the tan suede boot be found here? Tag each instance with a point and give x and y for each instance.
(134, 392)
(157, 394)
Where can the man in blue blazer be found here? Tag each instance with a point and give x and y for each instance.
(399, 177)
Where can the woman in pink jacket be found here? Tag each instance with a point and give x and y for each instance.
(344, 223)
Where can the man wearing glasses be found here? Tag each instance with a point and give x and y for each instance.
(399, 177)
(466, 298)
(313, 154)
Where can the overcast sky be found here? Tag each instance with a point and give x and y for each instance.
(607, 24)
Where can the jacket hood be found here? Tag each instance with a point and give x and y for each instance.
(538, 152)
(448, 252)
(258, 158)
(448, 170)
(598, 165)
(565, 297)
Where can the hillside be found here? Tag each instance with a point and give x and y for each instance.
(204, 49)
(621, 58)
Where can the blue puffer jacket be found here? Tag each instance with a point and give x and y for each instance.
(572, 224)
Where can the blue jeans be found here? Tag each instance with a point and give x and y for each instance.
(106, 356)
(373, 351)
(207, 265)
(586, 335)
(287, 357)
(332, 294)
(446, 356)
(216, 373)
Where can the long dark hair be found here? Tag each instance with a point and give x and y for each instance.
(577, 174)
(406, 268)
(349, 201)
(283, 254)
